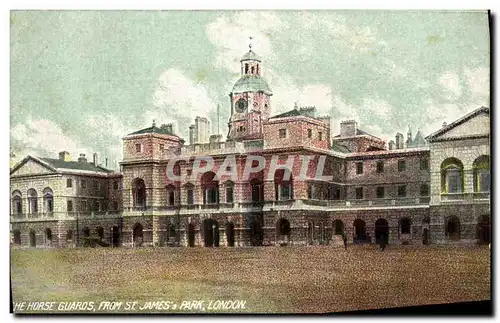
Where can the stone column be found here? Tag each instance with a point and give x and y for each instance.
(155, 228)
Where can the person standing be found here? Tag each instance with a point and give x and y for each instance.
(344, 237)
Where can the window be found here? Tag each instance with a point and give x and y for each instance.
(83, 183)
(137, 148)
(424, 163)
(18, 206)
(359, 168)
(320, 136)
(401, 165)
(454, 180)
(162, 147)
(229, 194)
(96, 185)
(115, 185)
(190, 196)
(84, 205)
(114, 204)
(228, 168)
(380, 192)
(310, 191)
(424, 190)
(282, 133)
(69, 182)
(405, 226)
(359, 193)
(483, 179)
(211, 196)
(96, 206)
(380, 167)
(402, 191)
(69, 206)
(285, 192)
(171, 198)
(309, 133)
(189, 172)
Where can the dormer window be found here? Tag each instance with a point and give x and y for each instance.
(138, 148)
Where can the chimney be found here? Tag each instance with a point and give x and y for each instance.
(191, 134)
(82, 158)
(348, 128)
(399, 140)
(308, 111)
(95, 160)
(169, 127)
(391, 145)
(64, 156)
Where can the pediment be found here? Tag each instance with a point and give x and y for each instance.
(31, 166)
(476, 124)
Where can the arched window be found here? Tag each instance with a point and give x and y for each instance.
(48, 201)
(189, 188)
(229, 191)
(210, 188)
(405, 225)
(283, 182)
(139, 193)
(252, 69)
(170, 195)
(171, 234)
(481, 170)
(32, 201)
(17, 203)
(452, 172)
(339, 227)
(257, 190)
(246, 68)
(258, 72)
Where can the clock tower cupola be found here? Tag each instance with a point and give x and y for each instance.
(250, 100)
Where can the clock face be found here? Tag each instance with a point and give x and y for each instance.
(241, 105)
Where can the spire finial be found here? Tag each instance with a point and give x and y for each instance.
(154, 123)
(296, 106)
(250, 43)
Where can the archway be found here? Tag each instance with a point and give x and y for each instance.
(115, 240)
(283, 229)
(359, 231)
(405, 226)
(256, 231)
(48, 236)
(230, 234)
(138, 235)
(453, 228)
(382, 231)
(211, 233)
(191, 235)
(310, 232)
(17, 237)
(339, 227)
(69, 235)
(484, 229)
(100, 233)
(171, 234)
(86, 232)
(32, 238)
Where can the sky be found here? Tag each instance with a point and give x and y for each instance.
(81, 80)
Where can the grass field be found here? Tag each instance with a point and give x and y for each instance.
(269, 279)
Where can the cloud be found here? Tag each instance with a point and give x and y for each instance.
(478, 81)
(230, 35)
(178, 99)
(44, 138)
(377, 107)
(451, 83)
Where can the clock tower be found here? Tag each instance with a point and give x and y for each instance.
(250, 100)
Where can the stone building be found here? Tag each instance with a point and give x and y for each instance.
(285, 179)
(58, 202)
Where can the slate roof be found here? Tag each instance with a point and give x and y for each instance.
(86, 166)
(359, 132)
(341, 149)
(291, 113)
(152, 129)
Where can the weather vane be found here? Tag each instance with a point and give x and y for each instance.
(250, 44)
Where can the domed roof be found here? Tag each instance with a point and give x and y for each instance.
(251, 83)
(250, 56)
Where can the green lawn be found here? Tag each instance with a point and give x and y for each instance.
(269, 279)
